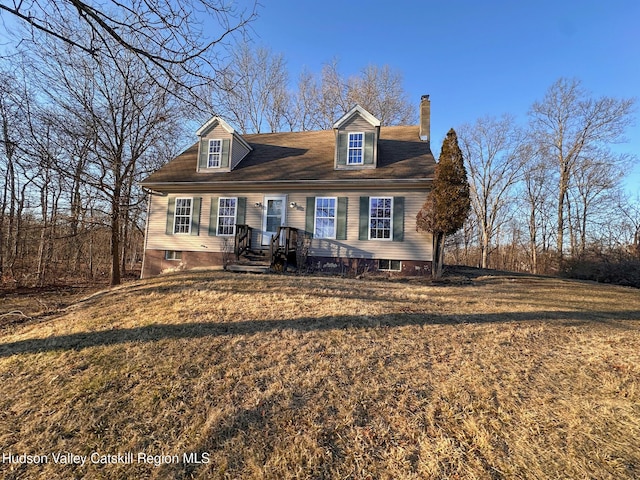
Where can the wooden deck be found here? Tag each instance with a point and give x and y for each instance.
(280, 254)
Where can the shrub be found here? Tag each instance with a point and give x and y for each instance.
(615, 267)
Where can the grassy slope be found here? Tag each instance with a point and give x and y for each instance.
(289, 377)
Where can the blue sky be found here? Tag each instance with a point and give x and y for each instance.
(473, 58)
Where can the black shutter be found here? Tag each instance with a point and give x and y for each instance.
(341, 220)
(213, 217)
(171, 208)
(398, 219)
(310, 216)
(364, 218)
(195, 216)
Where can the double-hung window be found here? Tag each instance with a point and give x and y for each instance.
(355, 151)
(380, 218)
(325, 217)
(182, 218)
(227, 211)
(215, 152)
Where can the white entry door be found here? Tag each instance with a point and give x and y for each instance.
(274, 213)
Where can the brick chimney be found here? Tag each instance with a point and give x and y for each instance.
(425, 118)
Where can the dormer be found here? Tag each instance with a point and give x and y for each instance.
(220, 148)
(357, 133)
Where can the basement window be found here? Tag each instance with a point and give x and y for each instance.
(172, 255)
(390, 265)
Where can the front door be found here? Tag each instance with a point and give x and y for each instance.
(273, 216)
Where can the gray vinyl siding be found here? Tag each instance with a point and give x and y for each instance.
(238, 152)
(414, 245)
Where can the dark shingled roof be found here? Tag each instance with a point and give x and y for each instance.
(301, 156)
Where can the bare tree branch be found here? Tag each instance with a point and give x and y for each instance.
(177, 38)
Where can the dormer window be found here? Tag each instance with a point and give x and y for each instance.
(214, 154)
(220, 147)
(357, 134)
(356, 148)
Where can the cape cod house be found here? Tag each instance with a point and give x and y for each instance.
(345, 199)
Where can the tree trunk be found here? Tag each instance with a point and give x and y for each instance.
(583, 233)
(562, 192)
(438, 255)
(115, 241)
(3, 239)
(571, 226)
(533, 244)
(11, 193)
(76, 212)
(90, 260)
(485, 248)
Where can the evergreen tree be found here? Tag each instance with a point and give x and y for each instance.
(448, 204)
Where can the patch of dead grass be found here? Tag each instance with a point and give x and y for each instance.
(31, 305)
(302, 377)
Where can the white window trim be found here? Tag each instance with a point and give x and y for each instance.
(349, 148)
(175, 215)
(390, 219)
(235, 218)
(389, 269)
(335, 217)
(211, 155)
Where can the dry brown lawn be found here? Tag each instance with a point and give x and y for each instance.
(278, 377)
(27, 304)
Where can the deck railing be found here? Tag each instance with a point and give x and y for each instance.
(242, 240)
(283, 243)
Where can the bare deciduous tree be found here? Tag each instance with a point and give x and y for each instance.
(495, 157)
(593, 182)
(305, 111)
(123, 113)
(332, 100)
(379, 91)
(176, 38)
(535, 200)
(629, 210)
(567, 125)
(253, 92)
(12, 119)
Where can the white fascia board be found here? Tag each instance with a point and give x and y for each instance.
(363, 113)
(212, 121)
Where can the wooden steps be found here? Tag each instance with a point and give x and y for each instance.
(249, 268)
(280, 251)
(252, 261)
